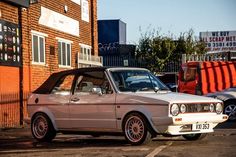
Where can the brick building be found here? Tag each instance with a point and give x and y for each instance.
(44, 37)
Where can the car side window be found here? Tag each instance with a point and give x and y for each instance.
(63, 87)
(89, 80)
(189, 74)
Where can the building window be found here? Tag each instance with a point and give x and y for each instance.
(85, 57)
(85, 10)
(64, 53)
(38, 47)
(76, 1)
(85, 52)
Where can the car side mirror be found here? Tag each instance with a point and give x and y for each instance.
(97, 91)
(156, 89)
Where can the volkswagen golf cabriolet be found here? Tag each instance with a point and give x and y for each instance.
(118, 101)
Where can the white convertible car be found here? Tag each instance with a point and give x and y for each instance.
(118, 101)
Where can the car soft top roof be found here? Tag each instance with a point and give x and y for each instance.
(47, 86)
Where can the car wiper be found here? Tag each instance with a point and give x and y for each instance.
(142, 89)
(164, 89)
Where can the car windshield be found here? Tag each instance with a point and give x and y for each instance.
(136, 80)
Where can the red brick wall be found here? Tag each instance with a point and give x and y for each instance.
(35, 75)
(8, 12)
(38, 73)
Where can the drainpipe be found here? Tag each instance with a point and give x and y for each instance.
(21, 67)
(92, 27)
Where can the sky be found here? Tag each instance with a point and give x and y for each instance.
(170, 16)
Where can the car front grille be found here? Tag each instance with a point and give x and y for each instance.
(196, 108)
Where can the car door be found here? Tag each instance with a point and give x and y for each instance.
(91, 111)
(58, 101)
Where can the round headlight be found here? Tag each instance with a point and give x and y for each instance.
(174, 109)
(211, 107)
(219, 108)
(183, 108)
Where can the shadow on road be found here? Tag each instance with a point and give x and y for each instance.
(61, 142)
(227, 125)
(22, 139)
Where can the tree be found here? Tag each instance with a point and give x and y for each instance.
(156, 50)
(188, 44)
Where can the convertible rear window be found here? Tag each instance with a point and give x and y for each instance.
(51, 82)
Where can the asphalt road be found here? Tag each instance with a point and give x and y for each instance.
(18, 142)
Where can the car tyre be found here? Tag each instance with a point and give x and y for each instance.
(136, 130)
(194, 137)
(42, 128)
(230, 109)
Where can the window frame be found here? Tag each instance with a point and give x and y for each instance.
(76, 2)
(43, 36)
(87, 54)
(80, 78)
(67, 42)
(85, 12)
(187, 73)
(63, 78)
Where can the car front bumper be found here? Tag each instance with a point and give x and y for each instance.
(186, 123)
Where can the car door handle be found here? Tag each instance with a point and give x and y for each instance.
(75, 99)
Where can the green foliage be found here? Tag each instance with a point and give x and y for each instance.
(188, 44)
(156, 50)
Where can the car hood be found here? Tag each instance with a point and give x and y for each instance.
(173, 97)
(224, 95)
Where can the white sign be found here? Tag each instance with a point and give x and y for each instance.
(76, 1)
(219, 40)
(59, 22)
(85, 10)
(126, 62)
